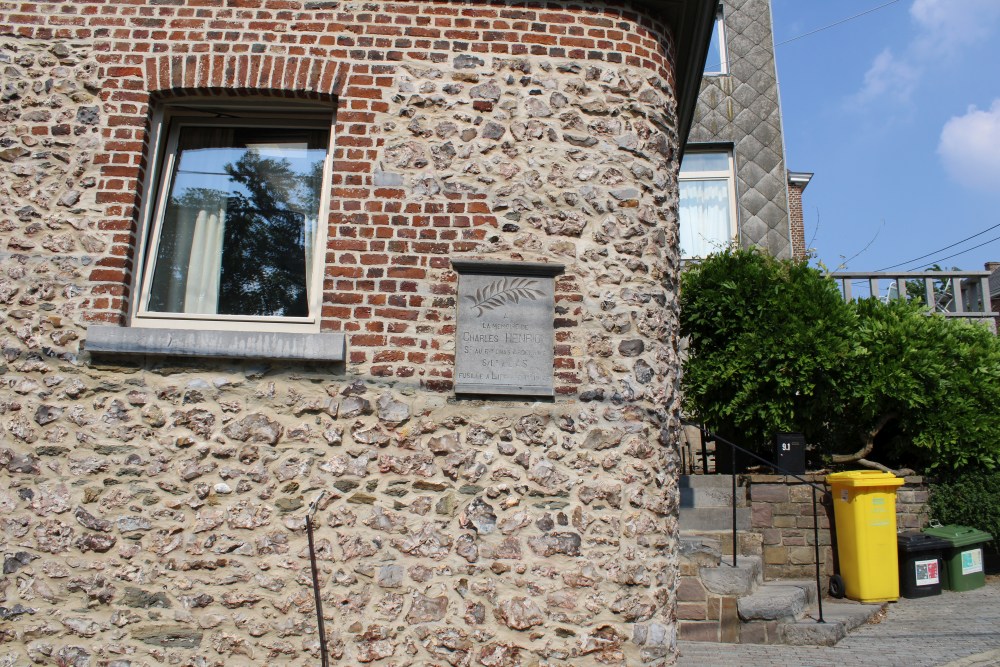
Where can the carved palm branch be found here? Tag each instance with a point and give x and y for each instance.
(504, 291)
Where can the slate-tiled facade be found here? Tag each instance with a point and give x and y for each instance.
(742, 109)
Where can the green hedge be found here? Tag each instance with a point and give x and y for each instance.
(970, 498)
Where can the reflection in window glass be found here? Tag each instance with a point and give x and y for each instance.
(238, 228)
(693, 162)
(717, 60)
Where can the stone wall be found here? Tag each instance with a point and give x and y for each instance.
(153, 510)
(782, 511)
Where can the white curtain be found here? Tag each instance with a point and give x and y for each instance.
(309, 243)
(705, 218)
(201, 293)
(197, 253)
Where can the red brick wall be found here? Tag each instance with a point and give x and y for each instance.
(797, 221)
(381, 246)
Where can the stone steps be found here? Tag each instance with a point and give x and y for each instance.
(710, 491)
(840, 617)
(738, 581)
(707, 504)
(777, 601)
(721, 603)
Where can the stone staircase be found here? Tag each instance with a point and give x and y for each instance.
(717, 602)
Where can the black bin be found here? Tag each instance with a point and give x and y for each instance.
(920, 564)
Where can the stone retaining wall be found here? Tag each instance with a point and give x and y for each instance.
(782, 511)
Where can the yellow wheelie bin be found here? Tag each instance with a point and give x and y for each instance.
(864, 509)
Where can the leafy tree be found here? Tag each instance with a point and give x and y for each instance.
(934, 381)
(772, 347)
(263, 264)
(766, 340)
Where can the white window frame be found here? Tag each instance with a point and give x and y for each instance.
(728, 175)
(166, 124)
(720, 58)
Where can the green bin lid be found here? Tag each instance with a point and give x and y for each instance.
(959, 536)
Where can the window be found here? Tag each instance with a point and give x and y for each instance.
(717, 61)
(707, 203)
(236, 220)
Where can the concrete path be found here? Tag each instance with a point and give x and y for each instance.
(951, 629)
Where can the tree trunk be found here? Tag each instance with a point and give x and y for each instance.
(868, 440)
(902, 472)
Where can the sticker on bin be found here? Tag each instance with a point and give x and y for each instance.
(972, 561)
(845, 496)
(927, 572)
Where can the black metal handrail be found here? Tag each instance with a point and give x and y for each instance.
(706, 434)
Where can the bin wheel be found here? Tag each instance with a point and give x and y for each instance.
(837, 586)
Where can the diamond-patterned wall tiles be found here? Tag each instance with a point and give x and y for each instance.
(743, 108)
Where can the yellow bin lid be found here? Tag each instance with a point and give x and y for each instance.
(864, 478)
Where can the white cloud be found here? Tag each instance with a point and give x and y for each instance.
(890, 77)
(969, 147)
(943, 29)
(948, 25)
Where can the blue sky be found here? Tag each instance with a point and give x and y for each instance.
(898, 114)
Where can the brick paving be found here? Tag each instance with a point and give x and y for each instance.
(951, 629)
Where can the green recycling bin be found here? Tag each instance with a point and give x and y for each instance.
(963, 560)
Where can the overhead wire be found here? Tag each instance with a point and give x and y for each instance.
(947, 247)
(729, 60)
(975, 247)
(836, 23)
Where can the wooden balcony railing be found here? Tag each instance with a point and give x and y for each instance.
(949, 293)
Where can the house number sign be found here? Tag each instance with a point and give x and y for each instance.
(504, 339)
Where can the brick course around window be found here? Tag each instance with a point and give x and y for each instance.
(380, 241)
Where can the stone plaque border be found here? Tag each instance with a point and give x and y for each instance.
(502, 269)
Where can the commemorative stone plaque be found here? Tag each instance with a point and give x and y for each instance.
(504, 338)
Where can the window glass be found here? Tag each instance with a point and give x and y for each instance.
(716, 62)
(699, 162)
(707, 203)
(704, 217)
(237, 228)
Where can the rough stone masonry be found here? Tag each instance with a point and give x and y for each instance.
(152, 510)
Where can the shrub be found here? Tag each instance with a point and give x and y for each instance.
(766, 340)
(970, 498)
(938, 379)
(772, 347)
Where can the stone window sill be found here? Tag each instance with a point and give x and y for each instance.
(126, 341)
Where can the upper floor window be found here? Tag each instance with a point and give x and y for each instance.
(236, 227)
(718, 57)
(707, 203)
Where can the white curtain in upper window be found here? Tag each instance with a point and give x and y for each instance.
(705, 217)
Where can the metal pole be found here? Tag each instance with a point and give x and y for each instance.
(704, 450)
(819, 590)
(324, 658)
(732, 461)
